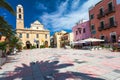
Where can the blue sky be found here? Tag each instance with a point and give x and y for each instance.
(56, 15)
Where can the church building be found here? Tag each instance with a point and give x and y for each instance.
(35, 35)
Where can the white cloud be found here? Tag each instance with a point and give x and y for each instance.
(40, 6)
(75, 4)
(62, 8)
(59, 21)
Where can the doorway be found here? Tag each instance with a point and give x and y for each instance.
(113, 38)
(37, 44)
(46, 43)
(28, 45)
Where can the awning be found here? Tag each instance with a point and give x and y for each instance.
(93, 40)
(81, 41)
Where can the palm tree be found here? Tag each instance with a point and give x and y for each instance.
(4, 4)
(3, 48)
(15, 42)
(5, 28)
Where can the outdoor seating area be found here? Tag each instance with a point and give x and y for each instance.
(88, 44)
(2, 59)
(91, 47)
(96, 44)
(67, 47)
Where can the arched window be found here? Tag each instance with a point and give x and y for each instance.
(45, 36)
(19, 9)
(37, 35)
(20, 16)
(20, 35)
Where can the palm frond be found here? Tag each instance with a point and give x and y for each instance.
(7, 6)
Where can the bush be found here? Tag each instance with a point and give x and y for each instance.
(114, 48)
(3, 48)
(19, 47)
(42, 46)
(24, 47)
(33, 47)
(102, 46)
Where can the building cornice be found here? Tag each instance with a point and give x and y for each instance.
(32, 30)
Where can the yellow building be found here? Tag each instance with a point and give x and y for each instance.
(66, 39)
(35, 35)
(57, 38)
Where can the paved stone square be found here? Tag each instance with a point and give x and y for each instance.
(62, 64)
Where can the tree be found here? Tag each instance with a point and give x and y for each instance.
(5, 28)
(3, 23)
(15, 42)
(5, 5)
(3, 48)
(8, 33)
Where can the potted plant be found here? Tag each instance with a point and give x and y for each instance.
(114, 49)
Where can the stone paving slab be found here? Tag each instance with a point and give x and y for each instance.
(62, 64)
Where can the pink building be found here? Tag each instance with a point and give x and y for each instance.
(81, 31)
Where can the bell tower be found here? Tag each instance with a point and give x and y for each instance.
(20, 17)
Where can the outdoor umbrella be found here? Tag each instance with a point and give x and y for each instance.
(93, 40)
(81, 41)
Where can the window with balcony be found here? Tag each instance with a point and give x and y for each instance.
(93, 31)
(110, 9)
(110, 6)
(102, 24)
(27, 35)
(92, 16)
(112, 21)
(101, 13)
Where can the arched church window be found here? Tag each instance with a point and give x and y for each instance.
(19, 10)
(45, 36)
(20, 35)
(20, 16)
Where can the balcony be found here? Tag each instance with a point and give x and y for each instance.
(100, 28)
(110, 25)
(114, 24)
(106, 26)
(100, 15)
(109, 11)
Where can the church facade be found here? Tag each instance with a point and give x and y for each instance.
(35, 35)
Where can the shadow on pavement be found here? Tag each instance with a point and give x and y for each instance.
(44, 70)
